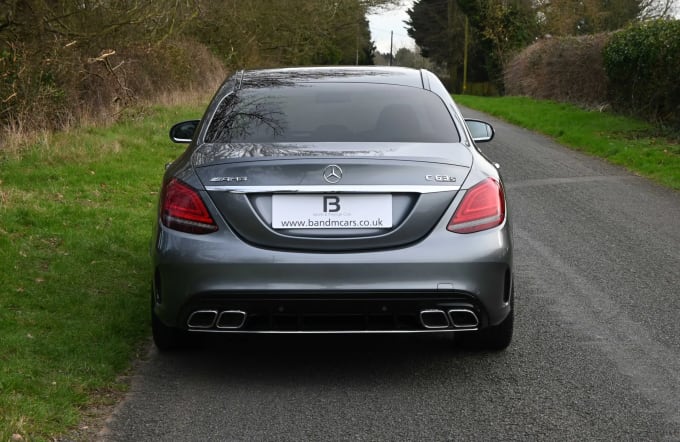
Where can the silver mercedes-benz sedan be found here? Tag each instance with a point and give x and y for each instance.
(332, 200)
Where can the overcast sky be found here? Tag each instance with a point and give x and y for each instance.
(381, 24)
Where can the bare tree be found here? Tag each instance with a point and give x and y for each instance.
(657, 8)
(570, 17)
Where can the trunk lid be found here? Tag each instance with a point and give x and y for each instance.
(332, 196)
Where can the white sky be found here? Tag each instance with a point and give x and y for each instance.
(393, 20)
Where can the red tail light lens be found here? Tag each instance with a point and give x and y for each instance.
(482, 208)
(183, 209)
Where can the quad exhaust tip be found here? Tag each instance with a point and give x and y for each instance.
(463, 318)
(455, 318)
(434, 319)
(225, 320)
(231, 319)
(202, 319)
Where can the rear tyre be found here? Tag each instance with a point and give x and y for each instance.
(498, 337)
(165, 338)
(495, 338)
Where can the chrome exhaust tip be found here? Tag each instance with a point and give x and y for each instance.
(202, 319)
(231, 319)
(463, 318)
(434, 319)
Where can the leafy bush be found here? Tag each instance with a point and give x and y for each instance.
(643, 66)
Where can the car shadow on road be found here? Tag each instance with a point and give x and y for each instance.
(324, 357)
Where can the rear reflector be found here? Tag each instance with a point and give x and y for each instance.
(482, 208)
(184, 210)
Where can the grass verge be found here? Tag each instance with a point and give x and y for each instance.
(630, 143)
(75, 219)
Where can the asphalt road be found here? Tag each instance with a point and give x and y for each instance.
(596, 353)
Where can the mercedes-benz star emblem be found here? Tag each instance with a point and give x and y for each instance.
(332, 174)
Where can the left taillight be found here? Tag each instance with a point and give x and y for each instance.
(482, 208)
(183, 209)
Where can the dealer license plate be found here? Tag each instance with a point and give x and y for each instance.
(331, 211)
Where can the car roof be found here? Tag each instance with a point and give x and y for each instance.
(331, 74)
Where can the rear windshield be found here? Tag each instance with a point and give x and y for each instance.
(347, 112)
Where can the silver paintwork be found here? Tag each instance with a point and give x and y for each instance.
(438, 262)
(223, 263)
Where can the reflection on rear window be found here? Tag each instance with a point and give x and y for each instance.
(348, 112)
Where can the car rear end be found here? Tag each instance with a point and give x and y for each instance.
(331, 207)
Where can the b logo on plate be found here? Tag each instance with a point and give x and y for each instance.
(332, 174)
(331, 204)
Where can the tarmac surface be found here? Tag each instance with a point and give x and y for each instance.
(596, 353)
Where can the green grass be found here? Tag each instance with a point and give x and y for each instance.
(75, 220)
(636, 145)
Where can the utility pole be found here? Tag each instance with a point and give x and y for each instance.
(356, 45)
(453, 69)
(356, 42)
(391, 39)
(465, 53)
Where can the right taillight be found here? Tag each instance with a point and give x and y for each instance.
(482, 207)
(183, 209)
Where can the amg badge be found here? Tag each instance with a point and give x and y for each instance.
(228, 179)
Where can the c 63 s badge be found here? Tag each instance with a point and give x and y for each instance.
(441, 178)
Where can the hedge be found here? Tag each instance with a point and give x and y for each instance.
(567, 69)
(643, 66)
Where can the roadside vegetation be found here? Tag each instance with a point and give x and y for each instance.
(64, 63)
(638, 146)
(619, 54)
(76, 210)
(632, 71)
(478, 39)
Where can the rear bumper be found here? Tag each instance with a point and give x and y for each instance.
(299, 292)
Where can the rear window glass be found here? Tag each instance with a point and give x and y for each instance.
(348, 112)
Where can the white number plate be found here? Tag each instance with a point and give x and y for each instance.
(332, 211)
